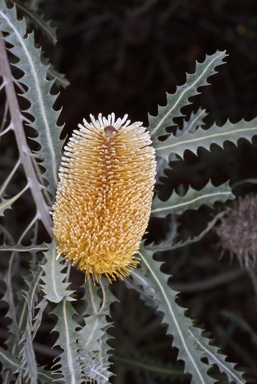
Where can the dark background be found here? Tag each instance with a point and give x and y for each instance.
(122, 57)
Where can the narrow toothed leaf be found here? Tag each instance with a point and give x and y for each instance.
(191, 125)
(8, 361)
(38, 92)
(59, 78)
(54, 287)
(192, 199)
(92, 333)
(215, 357)
(38, 21)
(166, 114)
(205, 138)
(154, 283)
(68, 362)
(7, 203)
(195, 120)
(24, 248)
(192, 345)
(166, 246)
(95, 351)
(52, 74)
(30, 295)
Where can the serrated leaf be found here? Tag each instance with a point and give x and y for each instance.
(38, 21)
(205, 138)
(45, 376)
(92, 333)
(8, 360)
(24, 248)
(52, 73)
(166, 114)
(27, 302)
(97, 305)
(38, 92)
(70, 367)
(28, 361)
(164, 246)
(214, 356)
(187, 338)
(7, 203)
(8, 297)
(193, 199)
(94, 337)
(92, 298)
(59, 78)
(155, 282)
(54, 287)
(195, 120)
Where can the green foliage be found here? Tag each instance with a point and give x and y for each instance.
(191, 200)
(191, 344)
(38, 93)
(55, 289)
(204, 138)
(166, 114)
(37, 283)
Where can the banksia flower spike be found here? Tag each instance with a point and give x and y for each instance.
(238, 230)
(104, 196)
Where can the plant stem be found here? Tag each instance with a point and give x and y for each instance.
(24, 150)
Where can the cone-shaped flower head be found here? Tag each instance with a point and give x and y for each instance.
(104, 196)
(238, 230)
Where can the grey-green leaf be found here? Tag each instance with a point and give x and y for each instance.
(166, 114)
(27, 355)
(155, 283)
(94, 337)
(38, 20)
(195, 120)
(205, 138)
(24, 248)
(7, 203)
(38, 92)
(214, 356)
(167, 246)
(68, 361)
(193, 347)
(191, 200)
(54, 287)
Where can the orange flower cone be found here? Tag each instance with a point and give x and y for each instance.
(104, 196)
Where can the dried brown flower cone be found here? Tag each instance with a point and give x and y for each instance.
(238, 230)
(104, 196)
